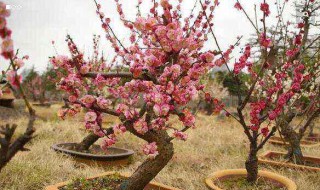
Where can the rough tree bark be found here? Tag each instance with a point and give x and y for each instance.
(294, 153)
(151, 167)
(87, 142)
(311, 133)
(252, 163)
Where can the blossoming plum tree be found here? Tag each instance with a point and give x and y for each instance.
(165, 59)
(8, 146)
(276, 78)
(306, 102)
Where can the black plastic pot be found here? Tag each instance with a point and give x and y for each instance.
(114, 156)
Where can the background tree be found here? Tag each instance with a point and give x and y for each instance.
(228, 81)
(9, 147)
(307, 52)
(274, 81)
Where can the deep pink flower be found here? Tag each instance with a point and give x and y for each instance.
(180, 135)
(188, 119)
(272, 115)
(238, 6)
(265, 131)
(264, 7)
(13, 78)
(264, 41)
(107, 142)
(72, 98)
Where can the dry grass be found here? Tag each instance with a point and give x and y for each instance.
(215, 144)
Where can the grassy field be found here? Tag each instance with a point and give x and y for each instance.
(215, 144)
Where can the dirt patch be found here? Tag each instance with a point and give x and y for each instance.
(110, 182)
(240, 183)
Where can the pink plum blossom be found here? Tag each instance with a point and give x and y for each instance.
(151, 150)
(90, 116)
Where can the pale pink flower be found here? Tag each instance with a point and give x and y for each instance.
(4, 12)
(7, 48)
(90, 116)
(84, 69)
(88, 100)
(151, 150)
(140, 23)
(103, 103)
(119, 129)
(18, 63)
(62, 113)
(59, 61)
(141, 126)
(161, 110)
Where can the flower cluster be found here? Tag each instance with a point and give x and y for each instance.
(151, 150)
(243, 61)
(5, 33)
(264, 7)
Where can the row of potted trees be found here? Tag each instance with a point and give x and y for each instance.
(163, 62)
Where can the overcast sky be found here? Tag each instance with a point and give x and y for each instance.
(35, 23)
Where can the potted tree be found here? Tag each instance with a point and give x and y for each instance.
(306, 104)
(268, 96)
(165, 60)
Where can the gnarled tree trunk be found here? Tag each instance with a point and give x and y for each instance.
(292, 137)
(151, 167)
(294, 151)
